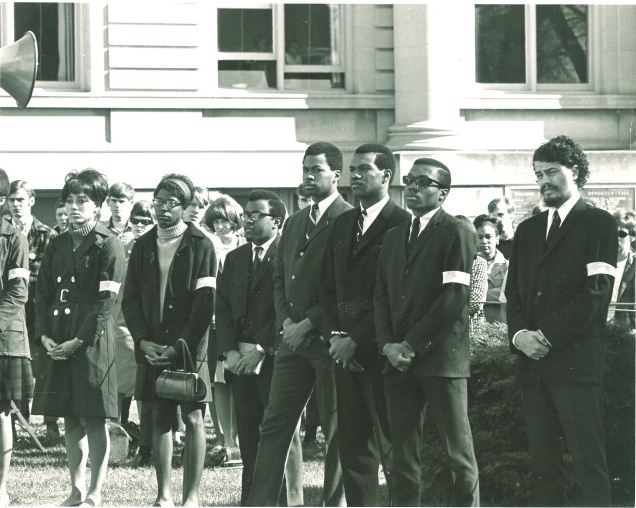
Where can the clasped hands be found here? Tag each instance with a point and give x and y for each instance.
(61, 351)
(295, 334)
(158, 355)
(342, 350)
(399, 354)
(243, 364)
(532, 343)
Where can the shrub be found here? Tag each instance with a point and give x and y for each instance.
(499, 431)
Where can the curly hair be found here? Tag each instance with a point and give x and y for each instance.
(566, 152)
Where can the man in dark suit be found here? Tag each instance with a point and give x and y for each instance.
(559, 286)
(247, 333)
(421, 319)
(624, 292)
(351, 258)
(302, 362)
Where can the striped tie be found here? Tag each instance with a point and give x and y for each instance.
(314, 217)
(360, 224)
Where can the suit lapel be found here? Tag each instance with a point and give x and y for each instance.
(324, 220)
(265, 265)
(425, 235)
(377, 227)
(572, 218)
(628, 275)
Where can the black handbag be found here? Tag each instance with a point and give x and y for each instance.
(183, 385)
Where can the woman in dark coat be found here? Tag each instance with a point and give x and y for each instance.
(16, 380)
(77, 287)
(169, 295)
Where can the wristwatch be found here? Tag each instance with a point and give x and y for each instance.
(260, 349)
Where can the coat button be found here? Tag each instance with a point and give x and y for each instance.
(67, 311)
(56, 312)
(72, 278)
(302, 253)
(539, 293)
(170, 306)
(59, 279)
(291, 304)
(293, 277)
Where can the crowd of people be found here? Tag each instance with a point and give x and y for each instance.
(364, 312)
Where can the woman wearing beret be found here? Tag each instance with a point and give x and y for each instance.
(77, 287)
(169, 295)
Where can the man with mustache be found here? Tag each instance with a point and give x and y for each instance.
(559, 286)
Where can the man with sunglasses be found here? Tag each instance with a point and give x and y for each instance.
(421, 320)
(354, 244)
(624, 292)
(560, 280)
(247, 333)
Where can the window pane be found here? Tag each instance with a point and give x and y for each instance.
(500, 44)
(53, 26)
(248, 74)
(314, 80)
(245, 30)
(562, 44)
(313, 34)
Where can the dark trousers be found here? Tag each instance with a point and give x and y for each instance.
(295, 376)
(408, 398)
(251, 394)
(363, 429)
(573, 411)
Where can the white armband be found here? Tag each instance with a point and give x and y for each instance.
(18, 272)
(456, 277)
(206, 282)
(599, 268)
(109, 285)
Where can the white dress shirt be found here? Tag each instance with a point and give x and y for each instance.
(372, 213)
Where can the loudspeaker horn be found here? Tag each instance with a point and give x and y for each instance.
(18, 66)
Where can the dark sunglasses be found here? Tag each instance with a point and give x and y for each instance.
(136, 221)
(420, 182)
(623, 234)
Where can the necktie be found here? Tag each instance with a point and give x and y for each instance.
(314, 217)
(257, 258)
(415, 231)
(554, 227)
(360, 224)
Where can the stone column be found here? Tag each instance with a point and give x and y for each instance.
(427, 45)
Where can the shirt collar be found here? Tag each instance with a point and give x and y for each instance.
(326, 202)
(265, 246)
(565, 208)
(426, 218)
(374, 210)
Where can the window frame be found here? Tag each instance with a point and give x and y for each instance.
(531, 85)
(81, 37)
(277, 54)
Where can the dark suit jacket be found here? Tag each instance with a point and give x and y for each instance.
(245, 300)
(297, 274)
(561, 290)
(627, 294)
(412, 303)
(349, 272)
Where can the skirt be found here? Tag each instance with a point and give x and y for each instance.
(16, 378)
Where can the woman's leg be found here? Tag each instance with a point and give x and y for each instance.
(194, 452)
(6, 447)
(98, 451)
(225, 412)
(76, 455)
(162, 415)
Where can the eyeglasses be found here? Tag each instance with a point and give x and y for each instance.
(623, 234)
(421, 182)
(168, 204)
(254, 216)
(137, 220)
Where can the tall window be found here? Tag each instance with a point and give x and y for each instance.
(54, 27)
(295, 46)
(541, 46)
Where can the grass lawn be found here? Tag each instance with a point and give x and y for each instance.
(37, 479)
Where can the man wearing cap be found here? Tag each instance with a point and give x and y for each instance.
(559, 287)
(421, 319)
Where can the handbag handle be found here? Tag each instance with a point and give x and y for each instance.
(188, 364)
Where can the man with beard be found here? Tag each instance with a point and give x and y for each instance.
(421, 320)
(247, 333)
(559, 287)
(351, 258)
(302, 363)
